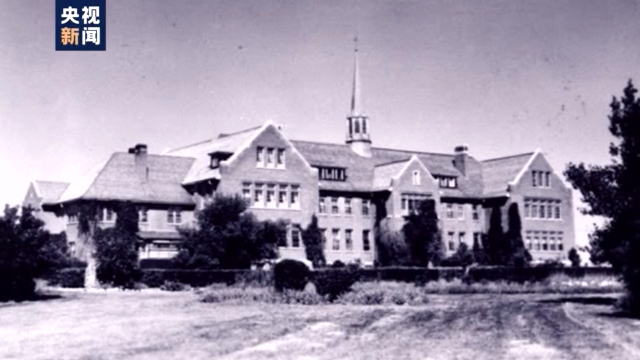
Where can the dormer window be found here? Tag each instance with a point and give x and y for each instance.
(447, 182)
(332, 174)
(217, 157)
(540, 178)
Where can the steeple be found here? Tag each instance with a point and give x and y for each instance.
(357, 122)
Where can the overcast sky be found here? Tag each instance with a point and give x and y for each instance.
(504, 77)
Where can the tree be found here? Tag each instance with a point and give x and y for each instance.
(422, 234)
(391, 247)
(495, 238)
(26, 252)
(613, 192)
(88, 213)
(117, 249)
(574, 257)
(228, 236)
(314, 243)
(462, 257)
(516, 253)
(479, 254)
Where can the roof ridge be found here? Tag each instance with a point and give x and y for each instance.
(190, 145)
(413, 151)
(156, 155)
(238, 132)
(104, 166)
(394, 162)
(508, 156)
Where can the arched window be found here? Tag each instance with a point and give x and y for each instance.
(357, 127)
(364, 126)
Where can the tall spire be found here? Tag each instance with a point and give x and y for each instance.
(356, 97)
(357, 122)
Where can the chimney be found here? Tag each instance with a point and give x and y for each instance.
(461, 153)
(141, 149)
(140, 152)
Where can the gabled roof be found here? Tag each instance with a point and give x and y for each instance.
(498, 173)
(224, 143)
(437, 164)
(49, 191)
(383, 174)
(359, 169)
(129, 177)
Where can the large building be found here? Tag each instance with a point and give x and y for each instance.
(352, 187)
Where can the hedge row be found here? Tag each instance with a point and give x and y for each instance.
(74, 277)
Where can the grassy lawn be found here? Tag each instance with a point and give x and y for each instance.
(175, 325)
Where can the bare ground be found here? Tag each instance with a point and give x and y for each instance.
(160, 325)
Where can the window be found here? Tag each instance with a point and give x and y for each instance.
(270, 157)
(460, 211)
(366, 241)
(547, 176)
(332, 174)
(560, 241)
(357, 126)
(542, 208)
(364, 125)
(260, 156)
(366, 207)
(348, 240)
(477, 238)
(452, 244)
(415, 179)
(282, 196)
(72, 248)
(334, 206)
(271, 195)
(280, 159)
(552, 241)
(323, 233)
(533, 178)
(322, 205)
(410, 203)
(536, 240)
(295, 236)
(447, 181)
(143, 215)
(347, 206)
(107, 215)
(475, 212)
(174, 216)
(449, 210)
(528, 243)
(540, 178)
(461, 237)
(545, 244)
(258, 195)
(335, 239)
(246, 192)
(295, 196)
(73, 218)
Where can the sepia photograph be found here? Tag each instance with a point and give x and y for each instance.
(319, 180)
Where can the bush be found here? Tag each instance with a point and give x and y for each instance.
(290, 274)
(338, 264)
(69, 278)
(173, 286)
(334, 282)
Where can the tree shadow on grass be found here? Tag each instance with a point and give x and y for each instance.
(611, 301)
(37, 297)
(584, 300)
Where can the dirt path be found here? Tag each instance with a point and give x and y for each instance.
(160, 326)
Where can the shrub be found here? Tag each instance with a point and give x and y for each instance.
(362, 297)
(290, 274)
(338, 264)
(153, 278)
(69, 278)
(173, 286)
(334, 282)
